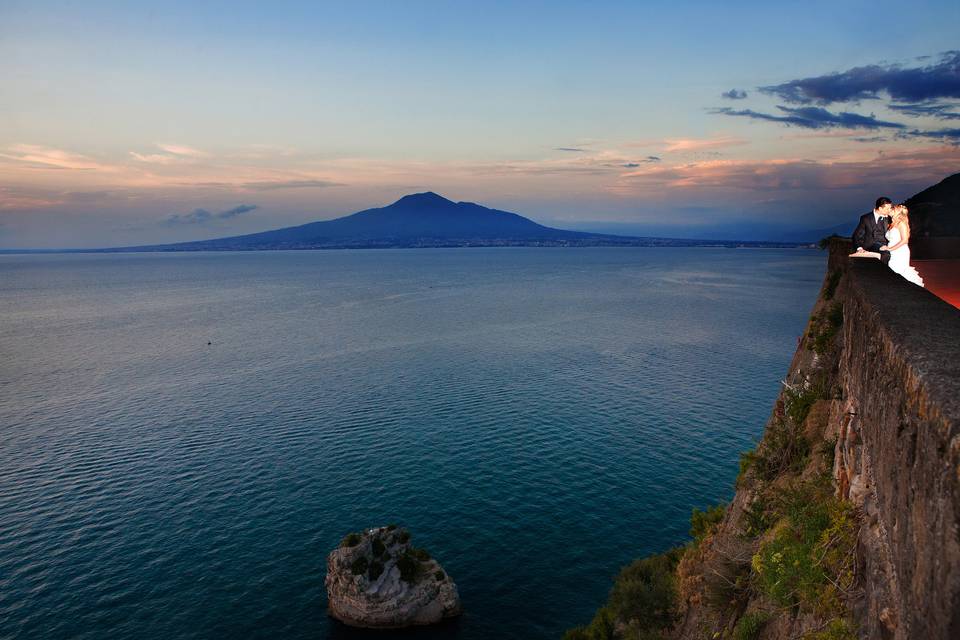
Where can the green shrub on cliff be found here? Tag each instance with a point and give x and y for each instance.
(409, 567)
(420, 554)
(836, 629)
(359, 566)
(703, 523)
(784, 449)
(808, 563)
(824, 327)
(798, 401)
(832, 281)
(750, 625)
(747, 458)
(600, 628)
(645, 592)
(756, 517)
(643, 598)
(726, 583)
(350, 540)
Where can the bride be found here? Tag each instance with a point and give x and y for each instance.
(898, 235)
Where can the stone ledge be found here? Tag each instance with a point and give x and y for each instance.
(900, 373)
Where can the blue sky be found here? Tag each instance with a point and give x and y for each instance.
(120, 120)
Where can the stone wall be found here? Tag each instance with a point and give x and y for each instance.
(874, 389)
(898, 448)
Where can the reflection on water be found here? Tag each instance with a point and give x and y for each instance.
(537, 417)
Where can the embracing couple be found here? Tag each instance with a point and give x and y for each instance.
(884, 234)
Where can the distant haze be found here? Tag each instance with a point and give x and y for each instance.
(125, 125)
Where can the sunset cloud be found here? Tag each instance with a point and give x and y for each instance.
(52, 158)
(694, 144)
(274, 185)
(174, 154)
(18, 199)
(267, 185)
(182, 150)
(857, 172)
(156, 158)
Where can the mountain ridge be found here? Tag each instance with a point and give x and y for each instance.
(427, 219)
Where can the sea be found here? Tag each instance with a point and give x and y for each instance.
(184, 437)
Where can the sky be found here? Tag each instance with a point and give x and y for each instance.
(133, 123)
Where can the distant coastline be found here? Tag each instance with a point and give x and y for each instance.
(422, 220)
(627, 242)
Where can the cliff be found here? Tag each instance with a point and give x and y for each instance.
(846, 518)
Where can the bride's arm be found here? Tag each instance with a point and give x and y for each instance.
(904, 236)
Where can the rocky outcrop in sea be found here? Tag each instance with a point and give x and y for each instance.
(378, 579)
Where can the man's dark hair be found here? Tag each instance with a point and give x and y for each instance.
(882, 201)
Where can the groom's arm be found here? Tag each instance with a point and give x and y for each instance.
(860, 234)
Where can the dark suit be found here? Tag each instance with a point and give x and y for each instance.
(871, 235)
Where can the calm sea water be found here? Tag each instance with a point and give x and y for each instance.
(537, 417)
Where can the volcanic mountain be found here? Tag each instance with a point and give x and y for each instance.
(417, 220)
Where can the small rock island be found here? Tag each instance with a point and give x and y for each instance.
(378, 579)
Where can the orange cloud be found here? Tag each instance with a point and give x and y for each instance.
(182, 150)
(48, 157)
(13, 199)
(175, 154)
(156, 158)
(856, 171)
(703, 144)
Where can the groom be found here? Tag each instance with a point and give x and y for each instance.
(870, 234)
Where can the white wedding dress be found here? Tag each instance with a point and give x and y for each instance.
(900, 258)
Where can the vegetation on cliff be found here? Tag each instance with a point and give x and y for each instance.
(779, 561)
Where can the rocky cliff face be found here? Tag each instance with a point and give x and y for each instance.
(846, 519)
(880, 361)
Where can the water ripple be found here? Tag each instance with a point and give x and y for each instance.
(537, 417)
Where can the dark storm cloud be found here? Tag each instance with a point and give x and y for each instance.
(203, 216)
(813, 118)
(915, 84)
(942, 111)
(734, 94)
